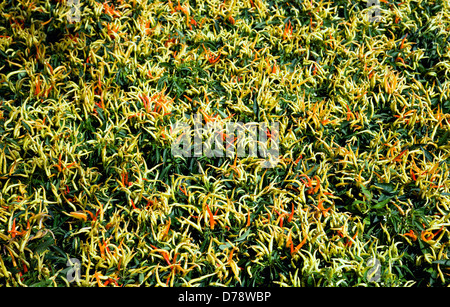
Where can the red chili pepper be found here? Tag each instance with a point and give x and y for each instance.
(132, 203)
(13, 229)
(412, 174)
(281, 221)
(183, 190)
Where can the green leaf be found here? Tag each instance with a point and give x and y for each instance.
(386, 187)
(44, 245)
(445, 262)
(428, 155)
(26, 126)
(243, 236)
(225, 246)
(367, 193)
(44, 283)
(381, 204)
(443, 139)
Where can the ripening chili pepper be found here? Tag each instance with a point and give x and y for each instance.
(91, 215)
(349, 113)
(97, 277)
(316, 189)
(38, 86)
(411, 234)
(183, 190)
(349, 242)
(133, 205)
(166, 231)
(231, 255)
(400, 59)
(322, 209)
(297, 248)
(292, 213)
(287, 30)
(397, 158)
(403, 42)
(426, 236)
(211, 217)
(110, 281)
(412, 174)
(309, 184)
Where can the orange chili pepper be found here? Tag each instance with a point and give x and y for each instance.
(134, 206)
(102, 250)
(426, 235)
(97, 277)
(211, 217)
(442, 227)
(299, 246)
(287, 30)
(289, 240)
(231, 255)
(109, 281)
(402, 44)
(292, 214)
(412, 174)
(349, 243)
(37, 91)
(322, 209)
(400, 155)
(411, 234)
(183, 190)
(316, 189)
(309, 184)
(400, 59)
(349, 113)
(93, 217)
(281, 221)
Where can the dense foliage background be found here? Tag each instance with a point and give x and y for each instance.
(86, 169)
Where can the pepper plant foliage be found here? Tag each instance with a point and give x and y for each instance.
(86, 169)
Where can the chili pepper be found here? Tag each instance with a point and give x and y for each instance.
(292, 214)
(211, 217)
(411, 234)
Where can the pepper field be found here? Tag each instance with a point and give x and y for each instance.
(91, 194)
